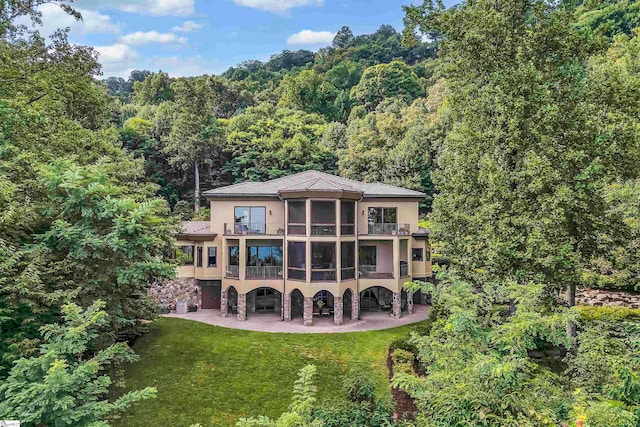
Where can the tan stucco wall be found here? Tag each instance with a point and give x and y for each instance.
(390, 249)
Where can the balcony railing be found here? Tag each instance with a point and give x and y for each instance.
(264, 272)
(323, 275)
(323, 229)
(259, 228)
(297, 229)
(233, 271)
(393, 229)
(371, 272)
(348, 230)
(297, 273)
(348, 273)
(404, 270)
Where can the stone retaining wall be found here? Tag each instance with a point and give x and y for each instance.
(598, 297)
(167, 293)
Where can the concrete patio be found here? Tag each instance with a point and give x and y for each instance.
(369, 321)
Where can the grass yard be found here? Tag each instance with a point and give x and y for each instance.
(213, 376)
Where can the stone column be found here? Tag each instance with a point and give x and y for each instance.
(396, 314)
(224, 304)
(409, 303)
(242, 306)
(337, 310)
(308, 311)
(355, 306)
(286, 306)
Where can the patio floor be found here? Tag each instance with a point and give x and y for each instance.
(369, 321)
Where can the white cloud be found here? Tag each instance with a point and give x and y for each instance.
(277, 6)
(179, 66)
(117, 60)
(307, 37)
(148, 7)
(187, 27)
(53, 17)
(141, 38)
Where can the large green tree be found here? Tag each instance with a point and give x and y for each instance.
(522, 171)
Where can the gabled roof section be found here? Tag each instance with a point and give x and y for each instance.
(312, 181)
(195, 230)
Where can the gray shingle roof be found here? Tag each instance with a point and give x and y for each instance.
(195, 228)
(312, 181)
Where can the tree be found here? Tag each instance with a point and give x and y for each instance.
(267, 142)
(386, 81)
(310, 92)
(343, 38)
(477, 369)
(63, 384)
(195, 138)
(154, 89)
(522, 170)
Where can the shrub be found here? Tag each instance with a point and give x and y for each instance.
(358, 386)
(402, 361)
(607, 314)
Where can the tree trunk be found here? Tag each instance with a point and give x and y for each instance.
(197, 189)
(571, 300)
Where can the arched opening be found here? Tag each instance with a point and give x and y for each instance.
(323, 304)
(347, 300)
(264, 300)
(232, 300)
(404, 301)
(376, 298)
(297, 304)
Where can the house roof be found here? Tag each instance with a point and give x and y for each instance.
(312, 181)
(422, 232)
(194, 230)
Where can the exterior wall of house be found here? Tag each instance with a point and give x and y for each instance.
(391, 249)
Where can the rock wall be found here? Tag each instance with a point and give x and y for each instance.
(598, 297)
(167, 293)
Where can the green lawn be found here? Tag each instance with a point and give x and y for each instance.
(212, 376)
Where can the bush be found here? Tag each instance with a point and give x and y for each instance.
(358, 386)
(402, 362)
(607, 314)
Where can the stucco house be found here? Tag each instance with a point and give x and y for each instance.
(306, 245)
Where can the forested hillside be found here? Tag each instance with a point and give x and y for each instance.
(362, 108)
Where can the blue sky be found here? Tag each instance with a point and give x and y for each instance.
(193, 37)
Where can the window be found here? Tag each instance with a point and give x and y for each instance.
(212, 255)
(234, 255)
(264, 255)
(368, 255)
(297, 217)
(297, 256)
(185, 254)
(323, 261)
(348, 260)
(347, 218)
(416, 254)
(323, 218)
(428, 252)
(383, 216)
(199, 256)
(250, 219)
(383, 221)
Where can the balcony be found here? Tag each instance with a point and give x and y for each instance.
(348, 273)
(264, 272)
(233, 271)
(374, 272)
(254, 228)
(323, 229)
(323, 275)
(389, 229)
(347, 229)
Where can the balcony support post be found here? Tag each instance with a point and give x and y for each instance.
(308, 311)
(337, 310)
(242, 307)
(355, 305)
(224, 303)
(286, 306)
(396, 314)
